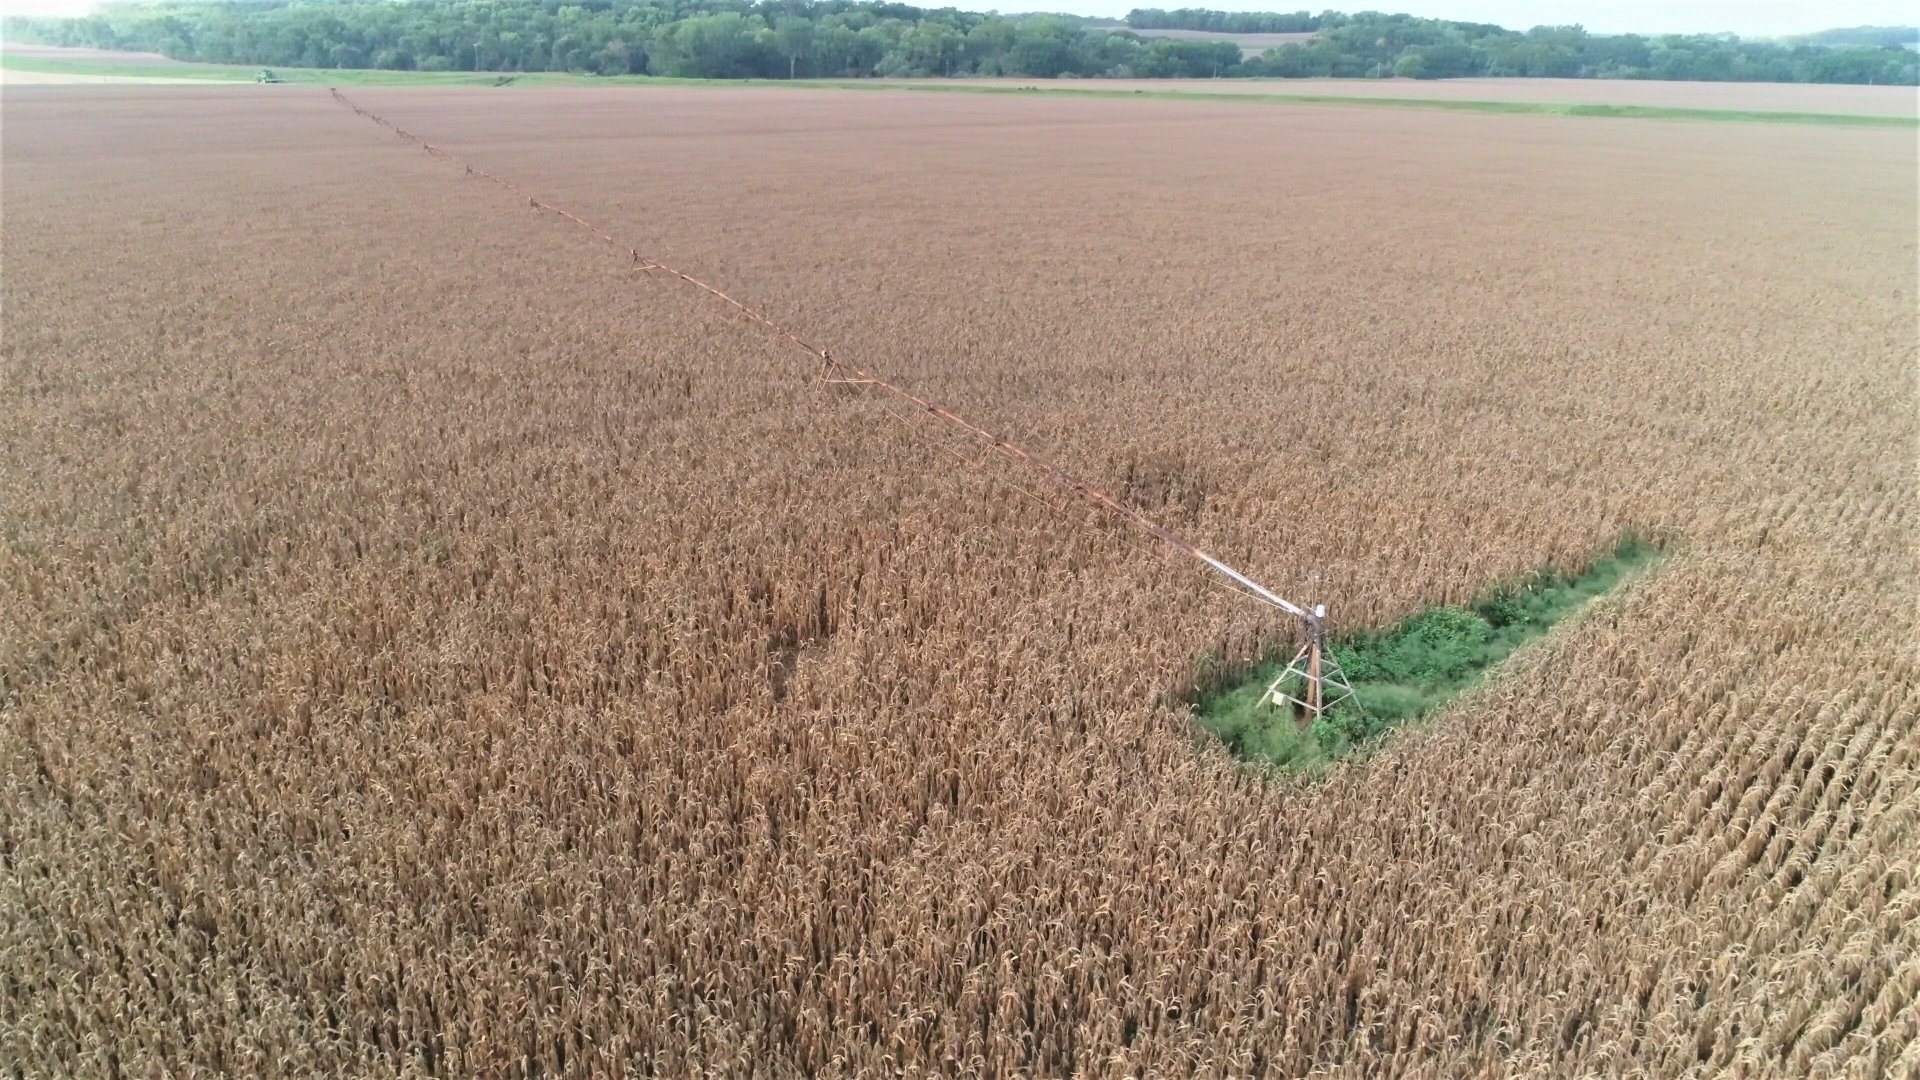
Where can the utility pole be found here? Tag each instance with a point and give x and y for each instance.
(476, 56)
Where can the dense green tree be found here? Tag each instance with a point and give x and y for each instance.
(1898, 37)
(793, 35)
(931, 48)
(724, 45)
(846, 38)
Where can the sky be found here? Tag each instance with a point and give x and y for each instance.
(1749, 19)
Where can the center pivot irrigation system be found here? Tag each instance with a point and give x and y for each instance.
(1311, 684)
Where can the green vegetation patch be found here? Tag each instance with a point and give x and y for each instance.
(1406, 671)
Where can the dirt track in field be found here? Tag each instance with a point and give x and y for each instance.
(432, 645)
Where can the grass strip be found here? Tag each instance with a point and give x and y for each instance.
(371, 77)
(1407, 671)
(1517, 108)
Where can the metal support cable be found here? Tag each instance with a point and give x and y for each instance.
(849, 373)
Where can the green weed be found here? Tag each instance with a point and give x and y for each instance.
(1408, 670)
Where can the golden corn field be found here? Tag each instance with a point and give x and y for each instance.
(430, 647)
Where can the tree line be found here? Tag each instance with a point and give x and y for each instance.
(1881, 36)
(1373, 45)
(779, 39)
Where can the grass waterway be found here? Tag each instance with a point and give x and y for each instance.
(1406, 671)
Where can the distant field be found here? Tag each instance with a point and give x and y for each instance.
(1250, 44)
(30, 64)
(37, 75)
(1888, 101)
(12, 77)
(61, 52)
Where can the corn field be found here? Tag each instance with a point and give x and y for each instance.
(430, 647)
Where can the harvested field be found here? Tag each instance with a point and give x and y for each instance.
(1250, 44)
(12, 77)
(431, 647)
(66, 52)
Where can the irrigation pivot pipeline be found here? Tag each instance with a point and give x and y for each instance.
(836, 370)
